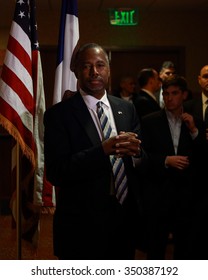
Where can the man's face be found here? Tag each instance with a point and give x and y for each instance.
(173, 98)
(93, 71)
(128, 85)
(166, 72)
(156, 81)
(203, 79)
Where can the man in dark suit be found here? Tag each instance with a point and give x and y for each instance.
(149, 83)
(126, 89)
(172, 140)
(197, 107)
(90, 222)
(167, 69)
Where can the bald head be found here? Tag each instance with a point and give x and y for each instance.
(204, 70)
(203, 79)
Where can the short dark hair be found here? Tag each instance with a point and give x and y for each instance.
(175, 80)
(167, 64)
(144, 76)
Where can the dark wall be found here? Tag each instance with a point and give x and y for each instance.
(122, 61)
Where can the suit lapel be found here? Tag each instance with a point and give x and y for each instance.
(85, 119)
(184, 138)
(199, 108)
(167, 133)
(118, 113)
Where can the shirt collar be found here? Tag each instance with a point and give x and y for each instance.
(149, 93)
(204, 99)
(91, 101)
(171, 117)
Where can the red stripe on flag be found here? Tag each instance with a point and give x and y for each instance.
(18, 51)
(11, 79)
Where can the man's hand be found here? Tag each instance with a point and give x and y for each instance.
(179, 162)
(126, 143)
(189, 121)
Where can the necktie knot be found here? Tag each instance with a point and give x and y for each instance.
(104, 122)
(99, 104)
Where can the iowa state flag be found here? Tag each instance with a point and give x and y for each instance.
(68, 39)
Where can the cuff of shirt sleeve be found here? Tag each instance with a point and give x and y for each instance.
(195, 134)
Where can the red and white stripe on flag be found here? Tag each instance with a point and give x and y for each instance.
(22, 99)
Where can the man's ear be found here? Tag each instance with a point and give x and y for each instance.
(109, 73)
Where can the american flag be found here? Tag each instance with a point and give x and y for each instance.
(68, 40)
(22, 99)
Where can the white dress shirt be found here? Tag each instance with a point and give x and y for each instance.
(91, 103)
(204, 104)
(175, 129)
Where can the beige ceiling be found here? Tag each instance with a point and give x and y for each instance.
(45, 6)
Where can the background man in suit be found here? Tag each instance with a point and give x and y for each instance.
(90, 222)
(172, 141)
(167, 69)
(197, 107)
(149, 83)
(127, 88)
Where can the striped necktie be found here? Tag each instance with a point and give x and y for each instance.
(117, 163)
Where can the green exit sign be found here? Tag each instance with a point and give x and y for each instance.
(123, 16)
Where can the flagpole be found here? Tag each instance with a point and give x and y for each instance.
(19, 200)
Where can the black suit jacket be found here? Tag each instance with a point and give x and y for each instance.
(199, 230)
(145, 104)
(75, 162)
(168, 188)
(194, 107)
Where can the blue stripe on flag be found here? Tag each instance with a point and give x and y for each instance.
(72, 8)
(60, 56)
